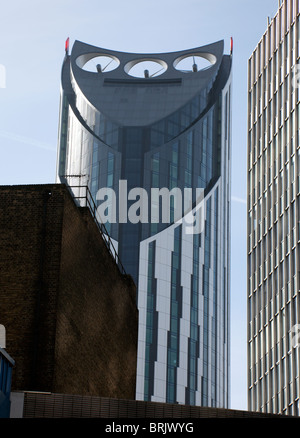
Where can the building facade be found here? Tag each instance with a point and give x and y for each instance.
(273, 215)
(138, 122)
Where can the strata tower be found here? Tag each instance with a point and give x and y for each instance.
(143, 132)
(273, 216)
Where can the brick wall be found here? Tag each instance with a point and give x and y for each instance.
(70, 316)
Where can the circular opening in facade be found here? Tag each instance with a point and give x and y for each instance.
(97, 63)
(146, 68)
(194, 62)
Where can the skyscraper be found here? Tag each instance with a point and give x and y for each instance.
(273, 215)
(149, 134)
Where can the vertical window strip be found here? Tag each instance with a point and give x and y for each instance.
(151, 325)
(193, 341)
(175, 315)
(173, 177)
(110, 179)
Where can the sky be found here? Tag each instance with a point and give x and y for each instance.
(32, 42)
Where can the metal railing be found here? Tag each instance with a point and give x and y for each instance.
(89, 202)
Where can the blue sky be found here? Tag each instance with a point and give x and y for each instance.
(32, 39)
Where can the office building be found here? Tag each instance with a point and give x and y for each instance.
(273, 215)
(131, 123)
